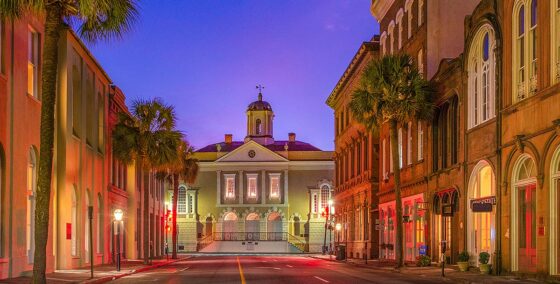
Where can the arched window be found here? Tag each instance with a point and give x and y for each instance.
(454, 128)
(74, 221)
(400, 27)
(481, 222)
(525, 49)
(555, 41)
(482, 76)
(258, 128)
(87, 239)
(391, 33)
(31, 191)
(383, 41)
(408, 10)
(182, 200)
(554, 205)
(325, 195)
(524, 215)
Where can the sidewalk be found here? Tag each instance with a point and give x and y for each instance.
(102, 273)
(452, 274)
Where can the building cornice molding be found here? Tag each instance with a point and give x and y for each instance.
(290, 165)
(379, 8)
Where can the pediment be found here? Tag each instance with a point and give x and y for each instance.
(252, 152)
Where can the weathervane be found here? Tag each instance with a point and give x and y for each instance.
(260, 88)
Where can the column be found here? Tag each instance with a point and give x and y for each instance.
(285, 187)
(240, 187)
(263, 187)
(218, 187)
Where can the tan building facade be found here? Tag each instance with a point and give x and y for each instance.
(257, 194)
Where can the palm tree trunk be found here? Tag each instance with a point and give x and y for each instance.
(53, 28)
(397, 186)
(145, 189)
(174, 217)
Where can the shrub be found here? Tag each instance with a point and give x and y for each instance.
(464, 256)
(423, 260)
(483, 257)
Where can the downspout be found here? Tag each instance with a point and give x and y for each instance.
(498, 109)
(10, 219)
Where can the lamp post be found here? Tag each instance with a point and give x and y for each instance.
(338, 227)
(326, 214)
(118, 214)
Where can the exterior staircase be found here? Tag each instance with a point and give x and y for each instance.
(251, 243)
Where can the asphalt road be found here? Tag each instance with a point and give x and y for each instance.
(265, 269)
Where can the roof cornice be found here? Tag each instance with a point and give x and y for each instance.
(379, 8)
(350, 70)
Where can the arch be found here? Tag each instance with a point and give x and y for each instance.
(87, 239)
(554, 203)
(523, 214)
(31, 191)
(274, 226)
(252, 226)
(482, 76)
(229, 226)
(74, 221)
(555, 41)
(258, 127)
(481, 225)
(524, 49)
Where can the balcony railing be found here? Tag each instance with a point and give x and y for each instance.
(250, 236)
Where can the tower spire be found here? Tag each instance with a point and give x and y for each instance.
(260, 88)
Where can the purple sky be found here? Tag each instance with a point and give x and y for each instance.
(205, 58)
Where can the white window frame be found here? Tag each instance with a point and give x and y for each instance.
(420, 12)
(420, 141)
(33, 55)
(384, 162)
(555, 42)
(420, 61)
(408, 10)
(390, 155)
(182, 200)
(383, 41)
(399, 27)
(400, 143)
(252, 192)
(409, 144)
(274, 191)
(229, 186)
(524, 76)
(391, 36)
(481, 81)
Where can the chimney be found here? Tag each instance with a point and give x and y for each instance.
(228, 138)
(292, 137)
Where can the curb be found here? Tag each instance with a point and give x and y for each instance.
(106, 279)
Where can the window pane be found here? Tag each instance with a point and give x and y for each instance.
(534, 13)
(521, 19)
(522, 218)
(485, 47)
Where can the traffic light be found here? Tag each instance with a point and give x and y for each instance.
(169, 216)
(168, 228)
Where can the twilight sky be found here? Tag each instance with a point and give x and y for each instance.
(206, 57)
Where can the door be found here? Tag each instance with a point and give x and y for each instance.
(527, 228)
(409, 233)
(229, 230)
(252, 230)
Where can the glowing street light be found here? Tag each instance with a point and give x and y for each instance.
(118, 214)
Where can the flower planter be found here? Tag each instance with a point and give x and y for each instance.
(485, 268)
(463, 265)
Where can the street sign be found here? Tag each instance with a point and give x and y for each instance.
(484, 204)
(422, 250)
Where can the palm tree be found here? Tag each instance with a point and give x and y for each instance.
(393, 92)
(186, 169)
(149, 138)
(94, 19)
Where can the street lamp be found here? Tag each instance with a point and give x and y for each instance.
(118, 214)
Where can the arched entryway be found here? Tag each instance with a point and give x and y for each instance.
(481, 218)
(252, 230)
(554, 203)
(445, 208)
(523, 213)
(208, 227)
(274, 226)
(229, 226)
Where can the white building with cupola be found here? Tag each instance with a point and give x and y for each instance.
(260, 194)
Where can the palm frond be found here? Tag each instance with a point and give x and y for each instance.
(105, 19)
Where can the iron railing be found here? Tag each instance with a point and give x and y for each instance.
(296, 242)
(250, 236)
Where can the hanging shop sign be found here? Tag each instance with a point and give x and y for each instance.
(484, 204)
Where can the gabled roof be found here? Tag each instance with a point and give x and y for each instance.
(277, 146)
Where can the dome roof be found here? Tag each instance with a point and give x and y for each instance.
(259, 105)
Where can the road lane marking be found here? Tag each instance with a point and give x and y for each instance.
(289, 266)
(268, 267)
(321, 279)
(181, 270)
(241, 271)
